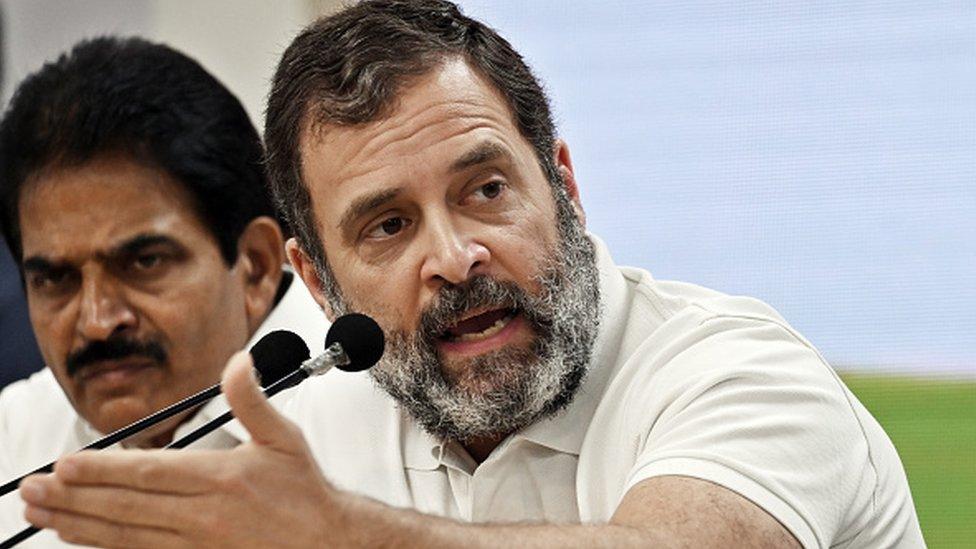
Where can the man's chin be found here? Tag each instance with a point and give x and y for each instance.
(487, 398)
(113, 413)
(490, 376)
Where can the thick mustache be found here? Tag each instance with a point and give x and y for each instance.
(111, 349)
(482, 291)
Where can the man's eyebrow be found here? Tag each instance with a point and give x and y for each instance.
(36, 263)
(364, 204)
(132, 246)
(483, 152)
(140, 242)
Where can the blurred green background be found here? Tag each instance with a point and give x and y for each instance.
(933, 425)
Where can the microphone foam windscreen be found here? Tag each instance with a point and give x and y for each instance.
(361, 338)
(278, 354)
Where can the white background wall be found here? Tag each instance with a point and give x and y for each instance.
(239, 41)
(818, 155)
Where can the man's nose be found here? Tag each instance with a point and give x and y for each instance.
(451, 255)
(104, 309)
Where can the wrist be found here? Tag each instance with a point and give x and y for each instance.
(334, 520)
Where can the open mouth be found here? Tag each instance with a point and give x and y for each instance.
(480, 326)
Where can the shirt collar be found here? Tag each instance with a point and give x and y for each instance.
(565, 431)
(421, 450)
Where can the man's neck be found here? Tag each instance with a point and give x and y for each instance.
(479, 448)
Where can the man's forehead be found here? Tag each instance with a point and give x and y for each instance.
(83, 186)
(452, 76)
(87, 210)
(445, 99)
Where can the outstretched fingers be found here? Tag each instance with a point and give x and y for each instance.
(165, 498)
(47, 496)
(148, 470)
(87, 530)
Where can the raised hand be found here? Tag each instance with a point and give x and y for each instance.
(265, 493)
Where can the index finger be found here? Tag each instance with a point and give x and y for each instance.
(149, 470)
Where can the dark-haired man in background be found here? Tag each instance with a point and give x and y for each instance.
(533, 393)
(134, 200)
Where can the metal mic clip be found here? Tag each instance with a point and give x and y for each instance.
(333, 356)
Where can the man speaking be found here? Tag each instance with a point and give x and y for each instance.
(134, 201)
(533, 393)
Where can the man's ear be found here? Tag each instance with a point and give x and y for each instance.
(564, 165)
(260, 256)
(305, 268)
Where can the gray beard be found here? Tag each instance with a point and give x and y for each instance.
(507, 390)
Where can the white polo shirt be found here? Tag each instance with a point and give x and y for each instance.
(683, 381)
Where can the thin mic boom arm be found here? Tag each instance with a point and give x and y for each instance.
(127, 431)
(274, 355)
(365, 352)
(333, 356)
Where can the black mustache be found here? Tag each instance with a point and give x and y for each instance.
(116, 348)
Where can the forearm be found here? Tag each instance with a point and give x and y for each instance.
(658, 512)
(384, 526)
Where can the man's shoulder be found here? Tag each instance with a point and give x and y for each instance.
(702, 338)
(642, 313)
(36, 421)
(38, 393)
(663, 318)
(722, 388)
(676, 300)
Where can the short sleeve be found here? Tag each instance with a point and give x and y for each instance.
(751, 407)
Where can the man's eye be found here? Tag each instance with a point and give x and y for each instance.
(50, 281)
(491, 190)
(47, 280)
(488, 191)
(392, 225)
(388, 227)
(147, 261)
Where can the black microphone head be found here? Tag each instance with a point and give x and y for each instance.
(361, 338)
(278, 354)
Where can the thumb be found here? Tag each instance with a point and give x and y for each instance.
(249, 405)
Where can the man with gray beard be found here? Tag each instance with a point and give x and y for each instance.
(533, 394)
(504, 390)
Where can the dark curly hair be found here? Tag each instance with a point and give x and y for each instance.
(128, 95)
